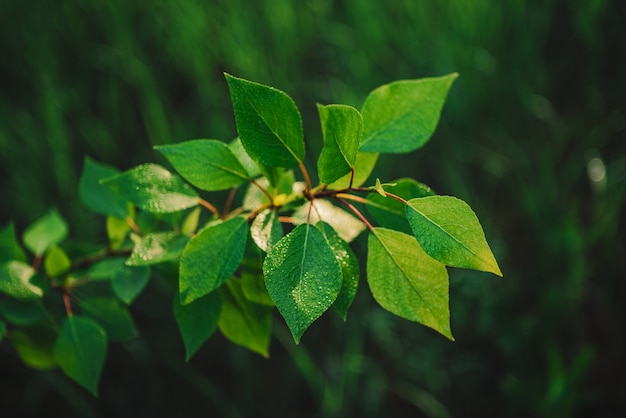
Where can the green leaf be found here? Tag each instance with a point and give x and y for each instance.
(97, 197)
(18, 279)
(153, 188)
(56, 262)
(112, 316)
(302, 277)
(406, 281)
(342, 128)
(9, 247)
(253, 286)
(117, 230)
(248, 163)
(129, 281)
(157, 248)
(23, 314)
(46, 231)
(197, 321)
(268, 122)
(391, 213)
(34, 345)
(80, 350)
(401, 117)
(211, 257)
(208, 164)
(449, 231)
(349, 265)
(190, 224)
(266, 230)
(243, 322)
(365, 163)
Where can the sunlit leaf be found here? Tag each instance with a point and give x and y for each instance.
(56, 262)
(406, 281)
(18, 280)
(449, 231)
(347, 226)
(266, 229)
(401, 117)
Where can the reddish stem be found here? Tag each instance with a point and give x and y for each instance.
(307, 179)
(356, 212)
(263, 189)
(67, 303)
(229, 201)
(209, 206)
(131, 222)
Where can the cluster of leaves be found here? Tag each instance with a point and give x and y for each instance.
(285, 246)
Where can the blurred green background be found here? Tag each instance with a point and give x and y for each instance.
(532, 136)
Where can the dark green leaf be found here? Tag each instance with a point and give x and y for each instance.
(23, 314)
(19, 280)
(243, 322)
(302, 277)
(129, 281)
(342, 128)
(349, 265)
(211, 257)
(153, 188)
(268, 122)
(197, 320)
(208, 164)
(406, 281)
(97, 197)
(48, 230)
(80, 350)
(266, 230)
(157, 248)
(56, 262)
(401, 117)
(9, 247)
(391, 213)
(449, 231)
(112, 316)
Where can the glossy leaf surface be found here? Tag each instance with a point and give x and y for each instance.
(449, 231)
(211, 257)
(342, 129)
(157, 247)
(406, 281)
(153, 188)
(266, 230)
(18, 280)
(197, 321)
(208, 164)
(302, 277)
(401, 117)
(268, 122)
(349, 265)
(80, 350)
